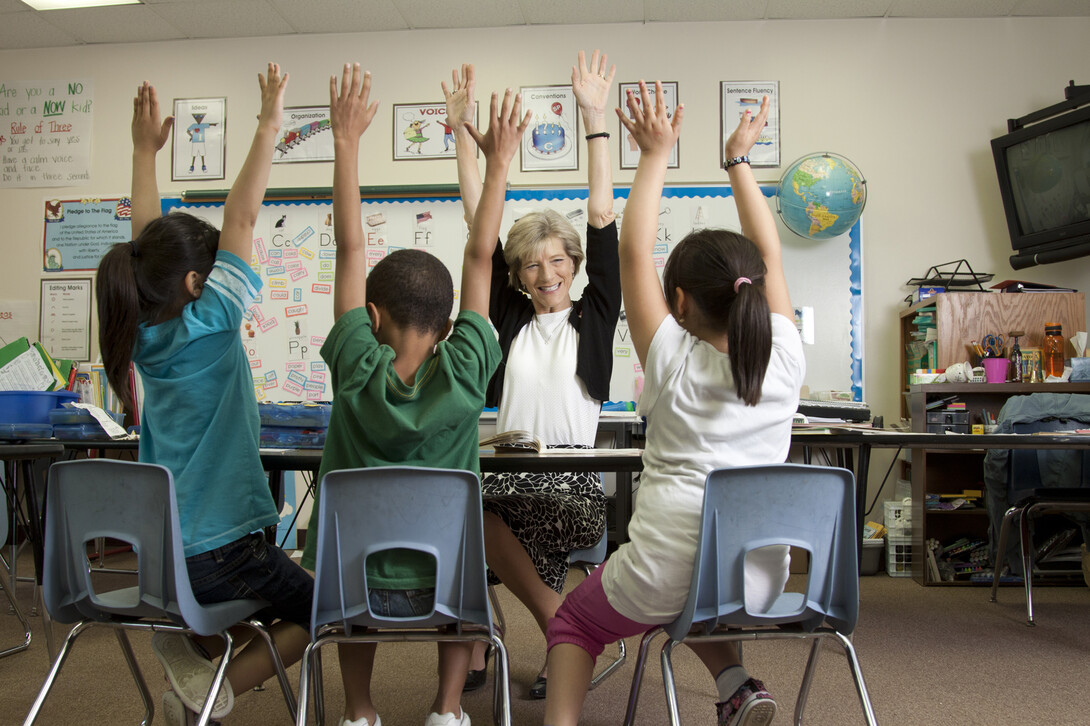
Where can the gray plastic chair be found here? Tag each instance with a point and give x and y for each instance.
(746, 508)
(133, 502)
(7, 583)
(364, 511)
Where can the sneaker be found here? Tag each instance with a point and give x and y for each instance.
(447, 719)
(174, 713)
(362, 721)
(751, 705)
(190, 673)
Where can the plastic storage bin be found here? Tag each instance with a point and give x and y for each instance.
(79, 416)
(872, 556)
(32, 406)
(897, 516)
(899, 556)
(298, 415)
(24, 431)
(278, 437)
(80, 432)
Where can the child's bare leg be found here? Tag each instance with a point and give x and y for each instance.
(716, 657)
(252, 666)
(357, 663)
(571, 668)
(453, 664)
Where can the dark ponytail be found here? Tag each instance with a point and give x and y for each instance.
(707, 265)
(143, 281)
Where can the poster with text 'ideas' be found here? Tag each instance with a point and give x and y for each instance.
(45, 133)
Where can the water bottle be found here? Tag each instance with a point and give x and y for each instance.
(1017, 372)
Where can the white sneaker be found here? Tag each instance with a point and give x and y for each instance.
(190, 674)
(362, 721)
(447, 719)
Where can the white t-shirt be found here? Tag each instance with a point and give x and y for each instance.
(697, 423)
(541, 393)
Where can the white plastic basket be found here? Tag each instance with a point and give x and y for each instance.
(899, 556)
(897, 516)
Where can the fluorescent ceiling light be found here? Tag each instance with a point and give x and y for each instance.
(68, 4)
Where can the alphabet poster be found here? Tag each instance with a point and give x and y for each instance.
(45, 133)
(295, 255)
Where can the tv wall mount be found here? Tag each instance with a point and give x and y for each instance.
(1074, 96)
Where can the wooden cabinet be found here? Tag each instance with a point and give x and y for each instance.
(961, 317)
(952, 472)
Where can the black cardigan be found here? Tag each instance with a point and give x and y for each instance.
(594, 315)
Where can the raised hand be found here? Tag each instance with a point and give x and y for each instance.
(350, 109)
(592, 84)
(748, 131)
(459, 96)
(650, 125)
(505, 130)
(148, 132)
(272, 96)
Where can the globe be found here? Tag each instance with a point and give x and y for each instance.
(821, 196)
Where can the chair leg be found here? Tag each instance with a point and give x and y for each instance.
(305, 666)
(6, 585)
(319, 689)
(278, 663)
(51, 677)
(857, 676)
(807, 679)
(497, 611)
(217, 680)
(137, 675)
(622, 653)
(668, 682)
(1001, 549)
(501, 706)
(1027, 560)
(637, 675)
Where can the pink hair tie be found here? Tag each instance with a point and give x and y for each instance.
(739, 281)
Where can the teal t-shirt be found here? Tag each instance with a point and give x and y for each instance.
(377, 420)
(200, 415)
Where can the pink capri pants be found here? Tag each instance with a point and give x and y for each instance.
(586, 619)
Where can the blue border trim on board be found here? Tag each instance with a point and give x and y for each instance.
(855, 243)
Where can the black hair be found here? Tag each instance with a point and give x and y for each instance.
(414, 288)
(143, 281)
(706, 264)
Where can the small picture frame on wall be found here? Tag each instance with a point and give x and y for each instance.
(421, 131)
(305, 136)
(551, 143)
(737, 97)
(630, 152)
(200, 127)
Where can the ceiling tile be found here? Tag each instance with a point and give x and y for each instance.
(566, 12)
(224, 18)
(673, 11)
(826, 9)
(121, 24)
(453, 14)
(340, 16)
(947, 9)
(29, 30)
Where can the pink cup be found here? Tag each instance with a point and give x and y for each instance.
(995, 369)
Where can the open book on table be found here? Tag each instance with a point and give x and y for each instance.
(515, 440)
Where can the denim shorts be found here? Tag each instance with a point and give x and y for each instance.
(401, 603)
(248, 568)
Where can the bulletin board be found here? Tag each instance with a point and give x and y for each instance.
(294, 253)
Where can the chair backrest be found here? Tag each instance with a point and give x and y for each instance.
(1028, 469)
(746, 508)
(363, 511)
(133, 502)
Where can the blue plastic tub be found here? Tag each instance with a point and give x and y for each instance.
(32, 406)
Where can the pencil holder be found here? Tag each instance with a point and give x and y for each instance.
(995, 369)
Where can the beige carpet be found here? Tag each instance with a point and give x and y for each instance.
(929, 656)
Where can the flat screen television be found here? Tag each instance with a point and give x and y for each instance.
(1044, 180)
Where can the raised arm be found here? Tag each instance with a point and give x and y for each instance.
(244, 200)
(460, 116)
(350, 113)
(591, 85)
(499, 145)
(644, 302)
(758, 224)
(149, 134)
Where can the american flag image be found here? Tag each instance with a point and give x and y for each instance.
(124, 208)
(423, 217)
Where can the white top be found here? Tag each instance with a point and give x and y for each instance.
(697, 423)
(541, 393)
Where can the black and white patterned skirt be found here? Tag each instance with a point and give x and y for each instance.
(551, 514)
